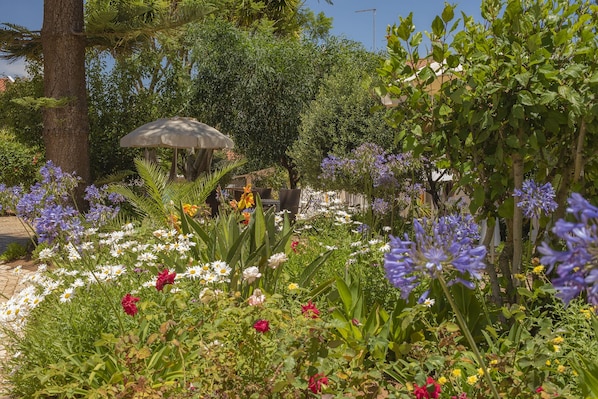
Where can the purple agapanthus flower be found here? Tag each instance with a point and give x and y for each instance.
(576, 265)
(440, 249)
(535, 200)
(380, 206)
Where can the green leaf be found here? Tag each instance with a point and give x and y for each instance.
(448, 13)
(312, 268)
(518, 111)
(438, 28)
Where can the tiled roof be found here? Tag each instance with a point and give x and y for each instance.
(3, 82)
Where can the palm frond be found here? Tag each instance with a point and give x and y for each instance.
(17, 41)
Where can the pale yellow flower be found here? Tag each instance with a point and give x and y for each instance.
(456, 373)
(480, 371)
(548, 362)
(293, 287)
(556, 348)
(442, 380)
(472, 379)
(538, 269)
(493, 362)
(558, 340)
(561, 368)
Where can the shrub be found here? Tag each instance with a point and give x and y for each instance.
(18, 163)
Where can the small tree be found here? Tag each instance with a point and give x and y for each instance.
(517, 98)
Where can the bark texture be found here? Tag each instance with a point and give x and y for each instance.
(66, 128)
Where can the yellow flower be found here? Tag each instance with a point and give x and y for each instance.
(548, 363)
(493, 362)
(538, 269)
(556, 348)
(519, 276)
(457, 373)
(409, 386)
(558, 340)
(442, 380)
(586, 312)
(561, 369)
(293, 286)
(480, 371)
(472, 379)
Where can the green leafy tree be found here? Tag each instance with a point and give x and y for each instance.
(255, 87)
(516, 97)
(341, 118)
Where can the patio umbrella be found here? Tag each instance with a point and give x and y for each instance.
(178, 132)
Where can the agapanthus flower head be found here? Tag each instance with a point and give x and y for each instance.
(576, 265)
(447, 247)
(535, 200)
(380, 206)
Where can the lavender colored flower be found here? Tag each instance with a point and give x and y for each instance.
(440, 249)
(57, 221)
(380, 207)
(576, 265)
(535, 200)
(102, 206)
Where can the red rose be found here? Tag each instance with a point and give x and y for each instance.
(316, 381)
(128, 304)
(261, 326)
(164, 278)
(430, 391)
(310, 310)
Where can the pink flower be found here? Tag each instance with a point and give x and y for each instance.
(294, 245)
(164, 278)
(430, 390)
(310, 310)
(128, 304)
(316, 381)
(262, 326)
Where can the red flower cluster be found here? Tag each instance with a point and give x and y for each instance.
(310, 310)
(316, 381)
(294, 245)
(430, 390)
(261, 326)
(128, 304)
(164, 278)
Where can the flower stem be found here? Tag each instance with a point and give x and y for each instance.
(468, 336)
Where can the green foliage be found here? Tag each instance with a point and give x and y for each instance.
(159, 195)
(14, 251)
(18, 162)
(23, 123)
(340, 118)
(496, 113)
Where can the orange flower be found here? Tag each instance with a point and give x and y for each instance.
(247, 217)
(190, 210)
(173, 220)
(234, 204)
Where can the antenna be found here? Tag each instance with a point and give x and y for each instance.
(373, 10)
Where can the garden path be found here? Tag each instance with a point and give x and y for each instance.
(11, 230)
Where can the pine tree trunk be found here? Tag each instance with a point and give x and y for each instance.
(66, 128)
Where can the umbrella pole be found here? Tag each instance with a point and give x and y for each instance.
(173, 167)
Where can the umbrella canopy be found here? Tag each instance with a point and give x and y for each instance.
(177, 132)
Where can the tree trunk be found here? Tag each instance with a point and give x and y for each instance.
(66, 128)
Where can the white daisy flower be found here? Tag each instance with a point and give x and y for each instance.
(67, 295)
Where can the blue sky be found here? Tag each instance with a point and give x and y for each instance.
(347, 22)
